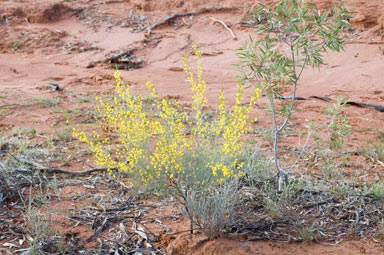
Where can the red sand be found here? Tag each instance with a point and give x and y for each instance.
(43, 41)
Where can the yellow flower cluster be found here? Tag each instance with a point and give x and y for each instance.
(132, 126)
(198, 88)
(237, 124)
(171, 143)
(228, 127)
(152, 146)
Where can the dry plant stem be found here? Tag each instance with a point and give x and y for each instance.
(176, 15)
(3, 180)
(60, 171)
(183, 201)
(306, 146)
(309, 135)
(226, 27)
(363, 42)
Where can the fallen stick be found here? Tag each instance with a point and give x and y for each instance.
(364, 42)
(176, 15)
(58, 170)
(107, 222)
(327, 99)
(226, 27)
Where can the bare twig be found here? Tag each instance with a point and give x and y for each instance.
(120, 209)
(305, 146)
(363, 42)
(4, 182)
(176, 15)
(106, 223)
(226, 27)
(183, 231)
(58, 170)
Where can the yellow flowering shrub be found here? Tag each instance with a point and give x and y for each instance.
(166, 145)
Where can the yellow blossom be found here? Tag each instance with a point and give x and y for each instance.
(155, 145)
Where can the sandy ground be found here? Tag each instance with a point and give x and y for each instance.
(67, 43)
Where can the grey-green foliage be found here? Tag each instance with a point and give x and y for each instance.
(14, 171)
(294, 34)
(339, 128)
(212, 210)
(378, 191)
(308, 234)
(208, 205)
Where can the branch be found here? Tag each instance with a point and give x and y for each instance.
(176, 15)
(226, 27)
(303, 66)
(306, 142)
(294, 91)
(283, 176)
(3, 180)
(58, 170)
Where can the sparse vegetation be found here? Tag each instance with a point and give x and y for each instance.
(308, 234)
(213, 210)
(46, 102)
(39, 225)
(338, 128)
(17, 43)
(168, 160)
(294, 35)
(168, 150)
(64, 135)
(378, 191)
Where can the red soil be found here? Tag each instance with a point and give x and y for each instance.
(54, 41)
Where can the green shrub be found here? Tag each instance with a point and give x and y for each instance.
(294, 35)
(167, 149)
(378, 191)
(212, 210)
